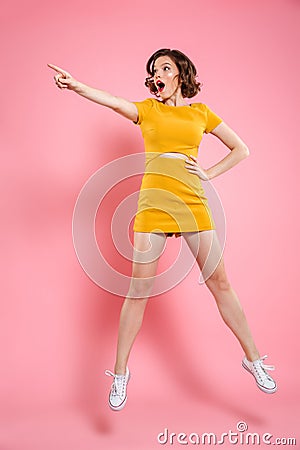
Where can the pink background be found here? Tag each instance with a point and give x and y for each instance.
(58, 328)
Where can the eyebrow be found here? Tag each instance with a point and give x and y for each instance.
(163, 64)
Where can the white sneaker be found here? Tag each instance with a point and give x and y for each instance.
(259, 370)
(118, 394)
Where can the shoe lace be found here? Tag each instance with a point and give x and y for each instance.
(118, 385)
(261, 369)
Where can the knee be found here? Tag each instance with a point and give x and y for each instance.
(218, 281)
(140, 288)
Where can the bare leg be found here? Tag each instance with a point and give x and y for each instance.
(147, 249)
(206, 249)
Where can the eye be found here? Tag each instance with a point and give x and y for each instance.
(166, 68)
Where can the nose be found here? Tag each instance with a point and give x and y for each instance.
(157, 74)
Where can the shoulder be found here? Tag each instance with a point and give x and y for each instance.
(143, 108)
(200, 107)
(145, 105)
(146, 102)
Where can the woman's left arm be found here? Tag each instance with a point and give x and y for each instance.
(238, 152)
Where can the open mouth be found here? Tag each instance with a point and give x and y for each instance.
(160, 85)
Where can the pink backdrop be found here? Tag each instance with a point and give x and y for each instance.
(58, 328)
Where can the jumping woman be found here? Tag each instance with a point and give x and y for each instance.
(172, 201)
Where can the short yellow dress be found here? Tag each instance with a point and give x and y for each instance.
(171, 199)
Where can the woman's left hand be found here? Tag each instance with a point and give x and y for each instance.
(192, 166)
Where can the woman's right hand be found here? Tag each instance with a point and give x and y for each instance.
(64, 79)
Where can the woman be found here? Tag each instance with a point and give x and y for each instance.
(172, 201)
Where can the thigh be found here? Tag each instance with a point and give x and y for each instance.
(206, 248)
(146, 252)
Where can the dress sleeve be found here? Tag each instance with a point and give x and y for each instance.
(143, 109)
(212, 120)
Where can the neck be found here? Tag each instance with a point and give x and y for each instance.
(175, 99)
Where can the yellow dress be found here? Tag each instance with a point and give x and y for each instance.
(171, 199)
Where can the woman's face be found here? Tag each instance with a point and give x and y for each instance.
(165, 76)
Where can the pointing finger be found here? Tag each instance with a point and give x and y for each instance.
(58, 69)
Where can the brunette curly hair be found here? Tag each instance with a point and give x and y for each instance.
(187, 72)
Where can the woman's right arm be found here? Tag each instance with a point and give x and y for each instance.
(64, 80)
